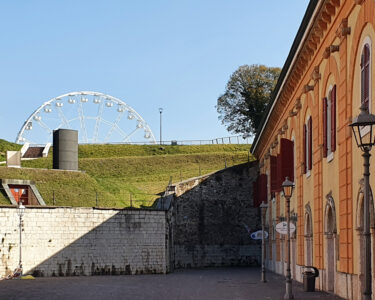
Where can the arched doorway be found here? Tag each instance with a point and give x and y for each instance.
(293, 261)
(330, 231)
(360, 237)
(308, 236)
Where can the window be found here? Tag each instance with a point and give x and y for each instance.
(365, 76)
(307, 146)
(329, 123)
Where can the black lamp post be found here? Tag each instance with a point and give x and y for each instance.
(20, 212)
(363, 131)
(160, 111)
(263, 208)
(288, 187)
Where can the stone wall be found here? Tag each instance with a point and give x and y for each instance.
(84, 241)
(210, 219)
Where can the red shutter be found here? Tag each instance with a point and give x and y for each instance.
(365, 76)
(255, 193)
(263, 189)
(260, 190)
(362, 77)
(325, 146)
(274, 179)
(333, 119)
(304, 149)
(310, 143)
(287, 159)
(280, 177)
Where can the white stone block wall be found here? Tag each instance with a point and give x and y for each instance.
(83, 241)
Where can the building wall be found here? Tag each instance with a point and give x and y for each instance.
(84, 241)
(332, 190)
(212, 219)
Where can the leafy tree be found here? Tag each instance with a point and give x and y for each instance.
(246, 96)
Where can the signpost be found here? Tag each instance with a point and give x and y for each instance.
(282, 227)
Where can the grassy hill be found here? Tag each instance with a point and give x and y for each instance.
(114, 174)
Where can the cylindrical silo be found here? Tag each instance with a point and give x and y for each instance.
(65, 149)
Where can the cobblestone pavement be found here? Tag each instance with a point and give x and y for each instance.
(221, 283)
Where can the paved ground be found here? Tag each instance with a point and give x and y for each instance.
(217, 284)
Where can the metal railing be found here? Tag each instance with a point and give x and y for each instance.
(236, 140)
(90, 198)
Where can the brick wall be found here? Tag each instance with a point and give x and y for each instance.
(208, 221)
(84, 241)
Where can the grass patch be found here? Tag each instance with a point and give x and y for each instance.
(119, 175)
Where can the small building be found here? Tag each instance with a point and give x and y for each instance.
(21, 191)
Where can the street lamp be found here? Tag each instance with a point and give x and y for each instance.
(362, 127)
(160, 111)
(263, 208)
(288, 187)
(20, 212)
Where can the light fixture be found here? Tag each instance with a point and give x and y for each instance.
(362, 127)
(288, 187)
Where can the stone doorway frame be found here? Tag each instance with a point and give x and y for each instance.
(330, 232)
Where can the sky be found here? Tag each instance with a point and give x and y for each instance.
(177, 55)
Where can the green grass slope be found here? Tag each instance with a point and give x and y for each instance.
(120, 174)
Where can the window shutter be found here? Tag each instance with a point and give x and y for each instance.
(362, 78)
(255, 193)
(287, 159)
(333, 119)
(263, 189)
(280, 178)
(365, 76)
(274, 181)
(310, 143)
(325, 146)
(304, 149)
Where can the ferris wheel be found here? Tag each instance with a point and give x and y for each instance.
(99, 118)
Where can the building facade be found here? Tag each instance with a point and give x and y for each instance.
(328, 75)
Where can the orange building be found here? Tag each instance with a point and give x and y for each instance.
(329, 73)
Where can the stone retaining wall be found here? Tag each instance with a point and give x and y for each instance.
(84, 241)
(211, 220)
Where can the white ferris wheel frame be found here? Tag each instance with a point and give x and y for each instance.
(104, 99)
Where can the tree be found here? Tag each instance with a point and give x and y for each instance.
(246, 96)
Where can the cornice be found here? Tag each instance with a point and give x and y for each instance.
(326, 13)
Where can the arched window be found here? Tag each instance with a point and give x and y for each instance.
(365, 76)
(329, 123)
(307, 145)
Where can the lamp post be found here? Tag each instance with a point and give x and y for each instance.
(288, 187)
(263, 208)
(362, 127)
(160, 111)
(20, 212)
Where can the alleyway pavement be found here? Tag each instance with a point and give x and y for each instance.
(217, 284)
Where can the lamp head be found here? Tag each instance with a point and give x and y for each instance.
(363, 130)
(288, 187)
(21, 209)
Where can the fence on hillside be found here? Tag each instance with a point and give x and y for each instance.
(236, 140)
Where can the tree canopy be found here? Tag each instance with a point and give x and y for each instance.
(246, 96)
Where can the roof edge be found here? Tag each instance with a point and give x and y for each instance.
(297, 43)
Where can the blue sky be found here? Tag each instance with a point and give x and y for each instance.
(172, 54)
